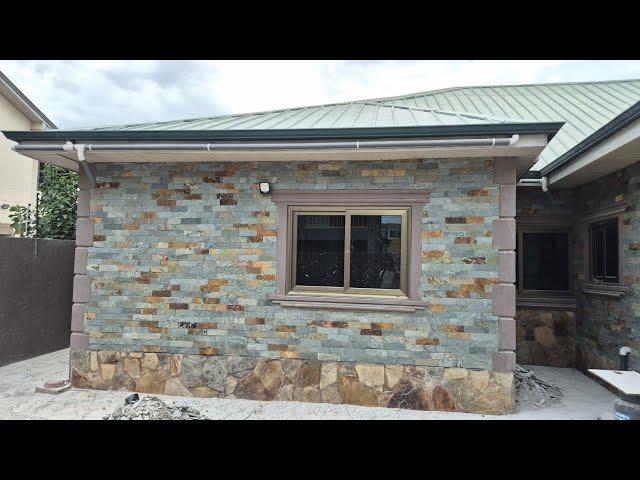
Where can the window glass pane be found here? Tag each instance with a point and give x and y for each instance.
(611, 251)
(320, 250)
(545, 261)
(597, 251)
(375, 251)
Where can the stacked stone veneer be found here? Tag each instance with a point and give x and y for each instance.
(182, 258)
(546, 334)
(608, 323)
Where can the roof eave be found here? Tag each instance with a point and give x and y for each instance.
(548, 128)
(618, 123)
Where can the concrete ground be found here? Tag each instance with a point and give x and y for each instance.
(584, 400)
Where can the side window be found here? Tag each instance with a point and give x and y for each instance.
(543, 262)
(604, 251)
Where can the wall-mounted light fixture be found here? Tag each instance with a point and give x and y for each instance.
(5, 206)
(264, 187)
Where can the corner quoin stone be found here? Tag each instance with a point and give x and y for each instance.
(503, 300)
(504, 361)
(81, 289)
(507, 199)
(506, 334)
(504, 171)
(84, 232)
(77, 317)
(84, 200)
(504, 234)
(79, 341)
(80, 260)
(507, 267)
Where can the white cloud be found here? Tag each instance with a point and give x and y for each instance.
(90, 93)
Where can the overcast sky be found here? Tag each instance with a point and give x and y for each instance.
(93, 93)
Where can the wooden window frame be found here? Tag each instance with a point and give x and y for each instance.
(593, 286)
(597, 225)
(407, 299)
(294, 213)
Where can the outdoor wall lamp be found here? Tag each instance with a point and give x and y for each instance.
(264, 187)
(5, 206)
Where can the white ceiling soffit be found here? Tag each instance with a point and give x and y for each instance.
(524, 153)
(618, 151)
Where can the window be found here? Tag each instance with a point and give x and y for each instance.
(349, 250)
(604, 251)
(356, 250)
(543, 261)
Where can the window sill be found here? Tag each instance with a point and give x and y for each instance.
(548, 302)
(609, 290)
(352, 304)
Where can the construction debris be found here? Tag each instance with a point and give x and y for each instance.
(533, 391)
(152, 408)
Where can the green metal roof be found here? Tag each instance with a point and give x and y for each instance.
(581, 109)
(361, 114)
(585, 107)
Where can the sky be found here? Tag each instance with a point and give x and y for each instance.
(81, 93)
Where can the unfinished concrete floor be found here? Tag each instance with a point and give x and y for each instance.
(584, 400)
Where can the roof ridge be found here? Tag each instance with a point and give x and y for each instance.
(465, 87)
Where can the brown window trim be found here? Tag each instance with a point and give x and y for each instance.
(592, 286)
(547, 302)
(413, 200)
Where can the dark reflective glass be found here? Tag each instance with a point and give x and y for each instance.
(611, 254)
(545, 261)
(320, 251)
(375, 251)
(604, 251)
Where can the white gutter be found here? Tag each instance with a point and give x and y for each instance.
(529, 182)
(535, 182)
(249, 146)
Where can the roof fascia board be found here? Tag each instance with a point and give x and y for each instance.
(548, 128)
(22, 102)
(614, 126)
(606, 146)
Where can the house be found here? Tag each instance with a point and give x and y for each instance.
(19, 179)
(400, 252)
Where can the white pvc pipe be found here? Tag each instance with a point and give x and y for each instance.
(249, 146)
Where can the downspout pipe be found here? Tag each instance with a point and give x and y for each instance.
(210, 147)
(544, 184)
(80, 152)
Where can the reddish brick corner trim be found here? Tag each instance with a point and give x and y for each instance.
(503, 297)
(504, 361)
(81, 281)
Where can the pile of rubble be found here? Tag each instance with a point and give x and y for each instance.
(533, 391)
(152, 408)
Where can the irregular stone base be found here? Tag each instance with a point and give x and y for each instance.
(396, 386)
(545, 337)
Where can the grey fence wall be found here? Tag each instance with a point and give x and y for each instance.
(35, 297)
